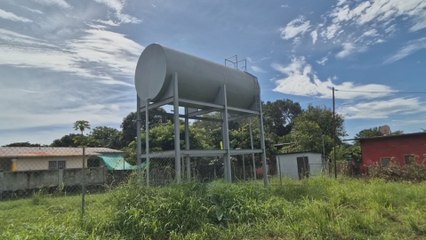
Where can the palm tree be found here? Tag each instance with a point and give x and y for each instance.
(81, 125)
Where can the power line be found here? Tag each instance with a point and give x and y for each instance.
(394, 92)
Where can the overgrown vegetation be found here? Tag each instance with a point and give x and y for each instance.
(414, 172)
(318, 208)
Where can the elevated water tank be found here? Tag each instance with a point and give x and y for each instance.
(198, 79)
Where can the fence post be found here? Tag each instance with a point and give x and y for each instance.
(83, 184)
(1, 184)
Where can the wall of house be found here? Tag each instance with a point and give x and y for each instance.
(42, 163)
(287, 164)
(393, 147)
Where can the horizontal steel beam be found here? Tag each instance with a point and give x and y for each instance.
(240, 110)
(203, 153)
(158, 104)
(198, 103)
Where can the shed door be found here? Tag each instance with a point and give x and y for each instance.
(303, 167)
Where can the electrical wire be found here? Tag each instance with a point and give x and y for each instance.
(391, 92)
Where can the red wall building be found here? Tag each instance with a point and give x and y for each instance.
(400, 149)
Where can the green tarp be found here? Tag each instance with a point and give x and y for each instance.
(116, 162)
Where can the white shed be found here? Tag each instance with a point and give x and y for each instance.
(299, 165)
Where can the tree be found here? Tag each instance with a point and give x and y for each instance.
(373, 132)
(370, 132)
(279, 116)
(129, 123)
(22, 144)
(69, 140)
(81, 125)
(307, 136)
(161, 138)
(313, 130)
(105, 137)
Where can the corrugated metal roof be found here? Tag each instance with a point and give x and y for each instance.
(10, 152)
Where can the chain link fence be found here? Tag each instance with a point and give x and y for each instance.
(57, 171)
(161, 171)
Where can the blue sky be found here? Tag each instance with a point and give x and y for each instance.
(64, 60)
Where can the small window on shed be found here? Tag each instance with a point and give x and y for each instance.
(409, 159)
(384, 162)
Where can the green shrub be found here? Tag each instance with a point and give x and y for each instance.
(414, 172)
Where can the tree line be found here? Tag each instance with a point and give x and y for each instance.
(288, 128)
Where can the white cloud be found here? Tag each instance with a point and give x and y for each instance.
(322, 61)
(314, 35)
(108, 48)
(113, 52)
(294, 28)
(58, 3)
(117, 6)
(331, 31)
(352, 24)
(12, 17)
(410, 48)
(382, 108)
(370, 33)
(386, 11)
(257, 69)
(349, 49)
(301, 80)
(14, 38)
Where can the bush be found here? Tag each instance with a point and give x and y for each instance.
(413, 172)
(147, 212)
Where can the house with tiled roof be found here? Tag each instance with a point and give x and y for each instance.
(19, 159)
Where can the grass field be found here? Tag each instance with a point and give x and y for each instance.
(318, 208)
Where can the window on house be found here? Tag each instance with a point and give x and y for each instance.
(57, 164)
(384, 162)
(93, 162)
(409, 159)
(61, 164)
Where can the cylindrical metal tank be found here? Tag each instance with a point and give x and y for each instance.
(198, 79)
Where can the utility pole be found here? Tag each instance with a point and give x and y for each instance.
(334, 133)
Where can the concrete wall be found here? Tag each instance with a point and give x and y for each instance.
(287, 164)
(13, 181)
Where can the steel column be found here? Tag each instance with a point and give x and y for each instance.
(138, 132)
(263, 147)
(178, 168)
(147, 163)
(252, 147)
(244, 168)
(228, 172)
(187, 145)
